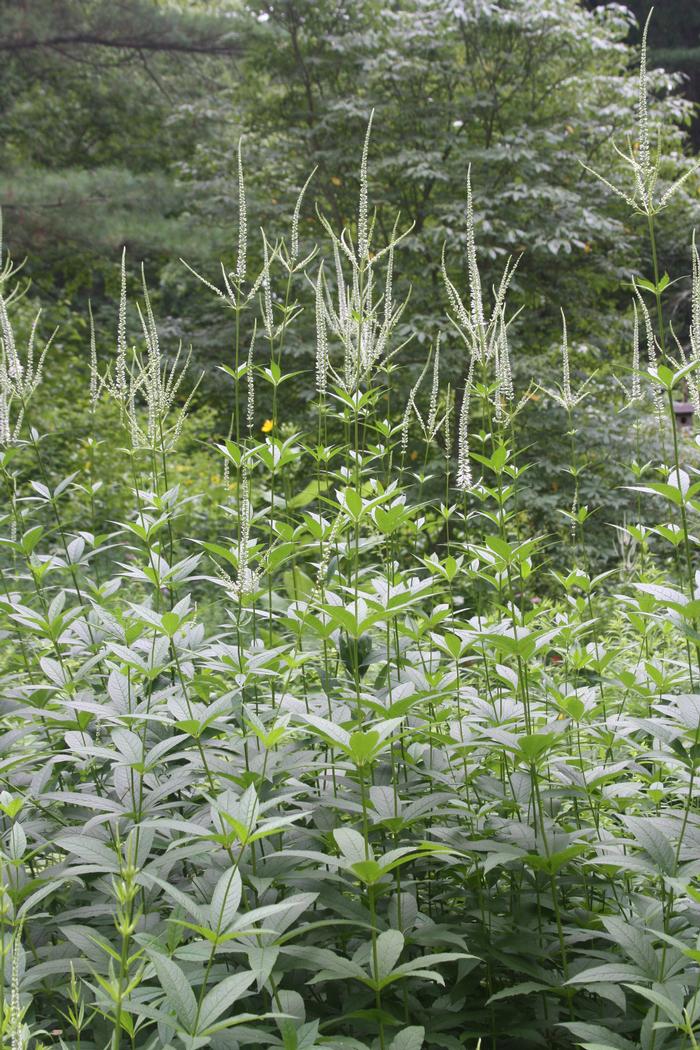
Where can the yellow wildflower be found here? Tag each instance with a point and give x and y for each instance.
(267, 426)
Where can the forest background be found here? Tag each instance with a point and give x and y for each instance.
(120, 127)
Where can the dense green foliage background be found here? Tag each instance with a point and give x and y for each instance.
(674, 42)
(121, 122)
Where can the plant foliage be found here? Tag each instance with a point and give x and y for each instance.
(333, 750)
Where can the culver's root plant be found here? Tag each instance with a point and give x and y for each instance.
(366, 763)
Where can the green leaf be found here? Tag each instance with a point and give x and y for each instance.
(368, 871)
(615, 972)
(500, 547)
(411, 1038)
(352, 501)
(597, 1037)
(225, 900)
(525, 988)
(177, 989)
(90, 851)
(363, 746)
(389, 947)
(352, 845)
(171, 622)
(534, 745)
(648, 835)
(224, 995)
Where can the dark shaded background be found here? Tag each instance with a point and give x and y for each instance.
(674, 42)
